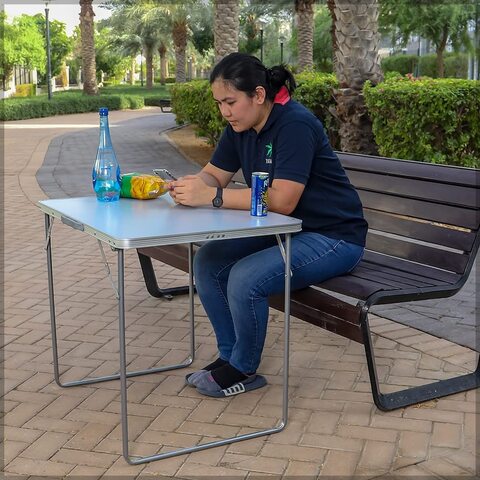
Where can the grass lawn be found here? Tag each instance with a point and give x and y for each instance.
(158, 91)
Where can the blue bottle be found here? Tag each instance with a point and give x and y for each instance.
(106, 170)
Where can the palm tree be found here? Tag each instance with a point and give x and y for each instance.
(162, 52)
(173, 17)
(304, 18)
(87, 31)
(331, 8)
(180, 35)
(226, 26)
(357, 42)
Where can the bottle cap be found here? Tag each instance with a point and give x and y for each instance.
(103, 111)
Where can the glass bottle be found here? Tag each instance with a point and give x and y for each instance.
(106, 170)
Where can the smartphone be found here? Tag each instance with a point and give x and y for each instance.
(164, 173)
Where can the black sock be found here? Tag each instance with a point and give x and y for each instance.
(217, 363)
(226, 375)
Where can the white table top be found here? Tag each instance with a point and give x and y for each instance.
(132, 223)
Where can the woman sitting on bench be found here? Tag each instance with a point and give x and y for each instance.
(266, 132)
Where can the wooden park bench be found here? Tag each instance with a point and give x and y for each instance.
(165, 105)
(422, 241)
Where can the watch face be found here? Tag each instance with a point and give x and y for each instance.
(218, 201)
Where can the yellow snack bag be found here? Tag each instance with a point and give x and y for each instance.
(142, 186)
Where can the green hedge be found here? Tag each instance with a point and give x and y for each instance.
(402, 64)
(314, 90)
(456, 64)
(193, 102)
(427, 120)
(64, 103)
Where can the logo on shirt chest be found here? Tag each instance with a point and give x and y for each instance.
(268, 153)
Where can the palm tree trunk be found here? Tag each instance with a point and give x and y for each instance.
(304, 15)
(180, 45)
(132, 70)
(162, 51)
(149, 66)
(226, 25)
(88, 47)
(333, 31)
(357, 61)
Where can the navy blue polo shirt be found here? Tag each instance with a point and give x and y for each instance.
(293, 146)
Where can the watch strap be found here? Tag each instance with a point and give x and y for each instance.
(218, 200)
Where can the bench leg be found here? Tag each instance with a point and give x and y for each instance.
(151, 281)
(412, 395)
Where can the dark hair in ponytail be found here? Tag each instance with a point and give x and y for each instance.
(246, 73)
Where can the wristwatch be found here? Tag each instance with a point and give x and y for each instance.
(217, 202)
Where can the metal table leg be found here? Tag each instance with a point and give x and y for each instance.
(123, 377)
(53, 323)
(123, 374)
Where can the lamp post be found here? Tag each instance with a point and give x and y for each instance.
(282, 39)
(261, 23)
(189, 69)
(419, 51)
(141, 67)
(261, 45)
(49, 66)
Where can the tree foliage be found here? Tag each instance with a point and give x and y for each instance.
(60, 43)
(322, 40)
(201, 25)
(439, 21)
(20, 44)
(108, 59)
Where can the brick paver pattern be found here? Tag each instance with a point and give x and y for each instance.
(334, 429)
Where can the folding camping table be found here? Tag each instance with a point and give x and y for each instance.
(130, 224)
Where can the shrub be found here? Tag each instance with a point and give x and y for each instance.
(193, 102)
(456, 65)
(400, 63)
(427, 120)
(64, 103)
(315, 91)
(25, 90)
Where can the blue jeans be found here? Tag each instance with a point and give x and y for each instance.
(234, 279)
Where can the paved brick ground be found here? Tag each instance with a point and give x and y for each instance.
(333, 430)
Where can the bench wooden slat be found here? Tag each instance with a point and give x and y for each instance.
(377, 260)
(421, 189)
(390, 278)
(323, 310)
(434, 212)
(414, 229)
(411, 169)
(352, 286)
(408, 278)
(451, 261)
